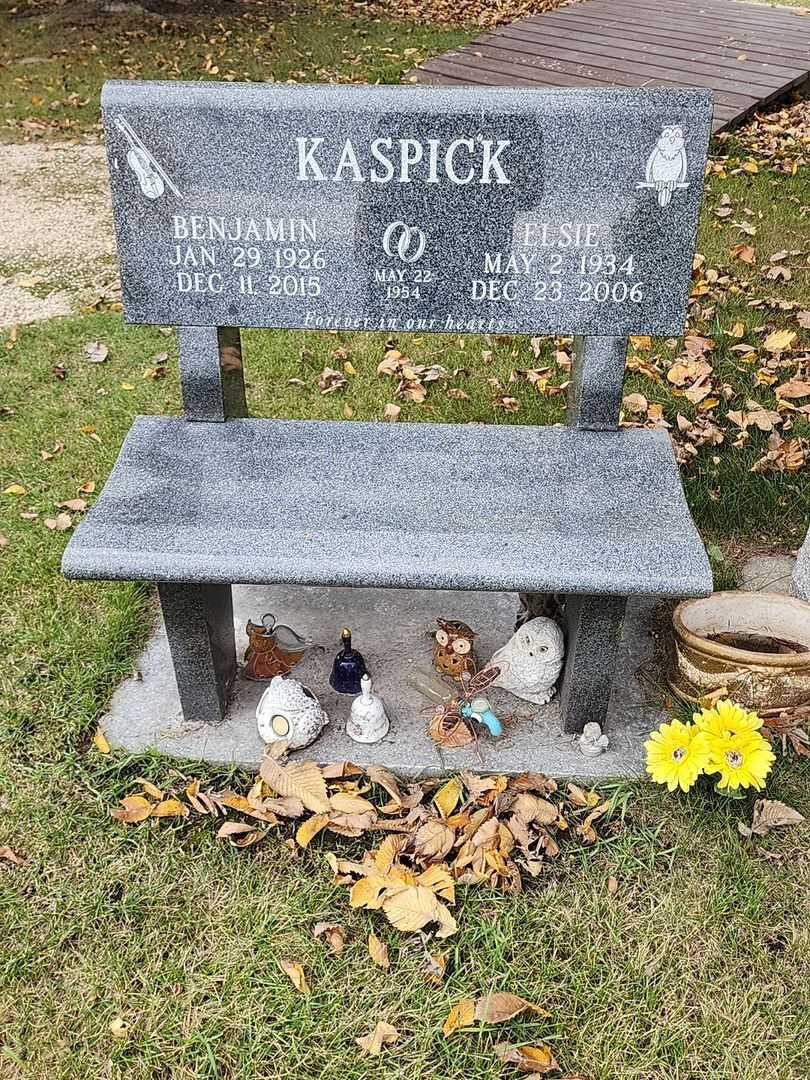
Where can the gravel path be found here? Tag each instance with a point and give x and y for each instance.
(57, 250)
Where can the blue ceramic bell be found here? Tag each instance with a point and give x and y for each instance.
(348, 668)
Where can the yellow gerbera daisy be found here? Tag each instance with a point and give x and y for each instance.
(677, 754)
(726, 718)
(743, 759)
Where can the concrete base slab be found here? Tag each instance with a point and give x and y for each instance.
(392, 628)
(768, 573)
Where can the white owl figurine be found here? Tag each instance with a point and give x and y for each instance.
(289, 710)
(531, 661)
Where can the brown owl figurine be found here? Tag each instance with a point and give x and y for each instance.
(453, 653)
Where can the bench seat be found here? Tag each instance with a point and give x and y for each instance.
(439, 506)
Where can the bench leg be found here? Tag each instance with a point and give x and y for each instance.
(592, 627)
(199, 625)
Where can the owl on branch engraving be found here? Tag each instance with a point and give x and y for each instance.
(453, 652)
(666, 165)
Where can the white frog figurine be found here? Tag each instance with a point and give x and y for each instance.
(289, 710)
(592, 742)
(531, 661)
(368, 722)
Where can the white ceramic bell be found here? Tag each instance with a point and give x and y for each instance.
(289, 710)
(367, 722)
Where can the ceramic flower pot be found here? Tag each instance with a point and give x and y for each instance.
(755, 644)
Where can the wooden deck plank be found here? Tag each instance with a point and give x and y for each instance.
(449, 72)
(689, 28)
(551, 33)
(610, 68)
(661, 21)
(736, 14)
(600, 43)
(473, 70)
(589, 50)
(727, 13)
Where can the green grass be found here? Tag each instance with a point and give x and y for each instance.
(54, 64)
(696, 968)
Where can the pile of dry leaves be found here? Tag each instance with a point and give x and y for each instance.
(469, 830)
(789, 727)
(774, 364)
(428, 838)
(454, 12)
(780, 137)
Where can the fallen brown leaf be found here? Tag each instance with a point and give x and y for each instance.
(435, 967)
(744, 252)
(496, 1008)
(383, 1035)
(149, 788)
(240, 834)
(378, 951)
(377, 774)
(529, 1059)
(779, 340)
(60, 523)
(301, 779)
(10, 856)
(330, 381)
(446, 798)
(635, 403)
(462, 1015)
(770, 814)
(414, 907)
(334, 934)
(310, 828)
(96, 352)
(295, 973)
(795, 388)
(135, 808)
(100, 742)
(170, 808)
(433, 840)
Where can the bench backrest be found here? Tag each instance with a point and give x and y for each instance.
(473, 210)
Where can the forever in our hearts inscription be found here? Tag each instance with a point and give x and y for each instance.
(392, 208)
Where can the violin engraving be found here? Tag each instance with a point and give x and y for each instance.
(152, 178)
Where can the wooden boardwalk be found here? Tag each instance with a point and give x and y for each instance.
(748, 54)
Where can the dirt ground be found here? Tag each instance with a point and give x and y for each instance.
(57, 249)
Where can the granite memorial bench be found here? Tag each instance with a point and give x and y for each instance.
(399, 209)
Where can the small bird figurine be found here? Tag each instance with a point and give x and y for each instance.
(348, 668)
(453, 652)
(367, 722)
(666, 165)
(531, 661)
(273, 649)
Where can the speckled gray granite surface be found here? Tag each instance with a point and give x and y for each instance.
(392, 628)
(495, 507)
(379, 207)
(801, 572)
